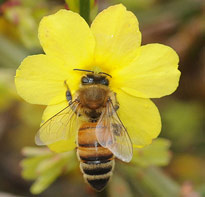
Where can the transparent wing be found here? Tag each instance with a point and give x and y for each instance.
(112, 134)
(61, 126)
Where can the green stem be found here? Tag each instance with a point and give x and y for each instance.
(85, 10)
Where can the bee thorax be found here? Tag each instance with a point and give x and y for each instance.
(93, 97)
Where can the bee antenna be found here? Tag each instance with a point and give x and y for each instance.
(105, 74)
(84, 70)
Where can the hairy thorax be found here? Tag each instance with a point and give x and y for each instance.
(93, 97)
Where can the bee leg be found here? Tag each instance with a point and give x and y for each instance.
(68, 94)
(116, 107)
(69, 97)
(116, 103)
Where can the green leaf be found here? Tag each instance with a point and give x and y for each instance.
(156, 153)
(29, 166)
(33, 151)
(45, 166)
(44, 181)
(48, 171)
(56, 161)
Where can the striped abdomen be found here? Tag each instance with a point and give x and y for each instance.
(96, 162)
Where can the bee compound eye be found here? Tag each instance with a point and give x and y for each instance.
(85, 80)
(91, 80)
(105, 82)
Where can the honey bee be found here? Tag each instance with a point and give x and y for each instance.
(92, 119)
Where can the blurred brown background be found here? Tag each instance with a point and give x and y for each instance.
(177, 23)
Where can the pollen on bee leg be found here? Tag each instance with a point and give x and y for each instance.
(68, 93)
(68, 96)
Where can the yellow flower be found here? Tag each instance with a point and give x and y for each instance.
(113, 45)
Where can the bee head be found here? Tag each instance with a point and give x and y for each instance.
(90, 79)
(93, 78)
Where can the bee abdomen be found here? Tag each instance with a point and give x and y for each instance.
(96, 169)
(97, 175)
(96, 162)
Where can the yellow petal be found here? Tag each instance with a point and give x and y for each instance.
(117, 37)
(67, 36)
(140, 117)
(153, 74)
(63, 145)
(40, 79)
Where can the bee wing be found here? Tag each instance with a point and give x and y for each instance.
(61, 126)
(112, 134)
